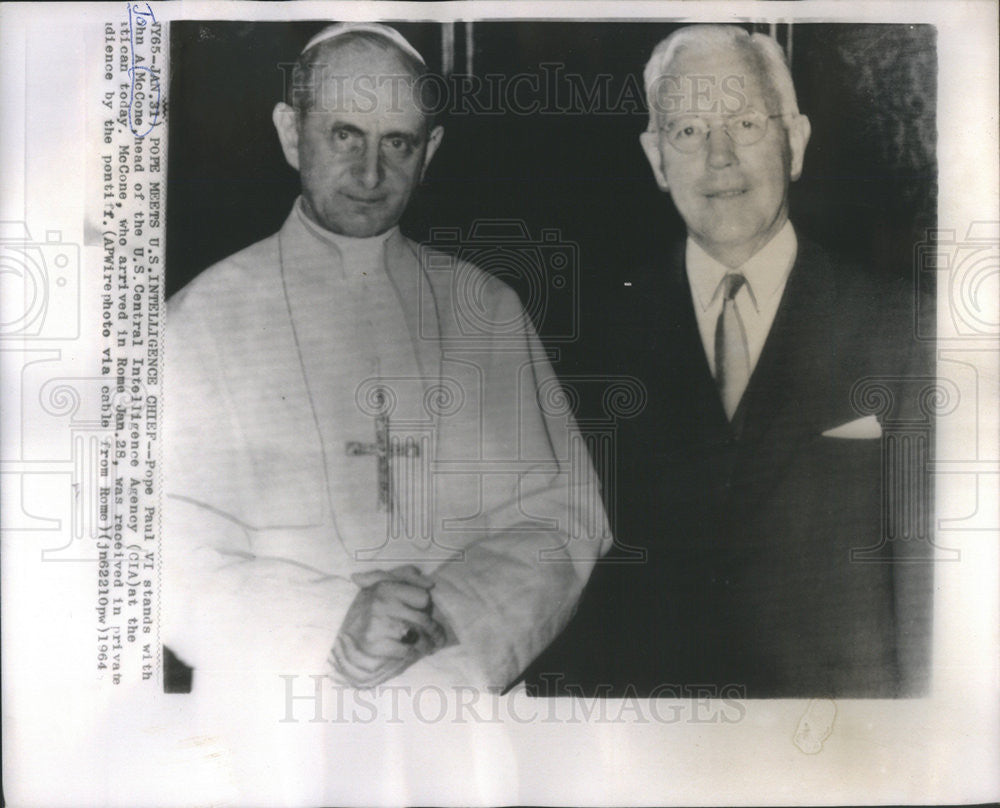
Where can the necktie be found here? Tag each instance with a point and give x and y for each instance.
(732, 356)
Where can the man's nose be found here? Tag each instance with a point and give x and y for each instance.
(721, 151)
(368, 167)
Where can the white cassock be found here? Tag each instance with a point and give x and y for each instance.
(339, 405)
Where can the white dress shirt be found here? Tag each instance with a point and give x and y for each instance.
(757, 301)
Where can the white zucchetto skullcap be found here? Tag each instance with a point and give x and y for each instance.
(342, 28)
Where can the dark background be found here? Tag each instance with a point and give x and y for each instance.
(869, 187)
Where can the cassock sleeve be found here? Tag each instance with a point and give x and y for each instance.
(241, 594)
(289, 623)
(518, 581)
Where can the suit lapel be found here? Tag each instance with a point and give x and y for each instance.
(785, 403)
(690, 364)
(683, 437)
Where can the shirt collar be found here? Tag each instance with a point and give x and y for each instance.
(765, 272)
(358, 255)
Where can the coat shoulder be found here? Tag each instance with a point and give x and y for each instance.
(874, 298)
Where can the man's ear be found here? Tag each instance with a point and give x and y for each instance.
(433, 141)
(799, 130)
(287, 126)
(651, 145)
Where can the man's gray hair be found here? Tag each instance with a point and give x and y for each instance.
(763, 49)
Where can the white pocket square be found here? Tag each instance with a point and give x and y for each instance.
(861, 428)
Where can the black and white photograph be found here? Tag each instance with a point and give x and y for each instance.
(755, 536)
(466, 404)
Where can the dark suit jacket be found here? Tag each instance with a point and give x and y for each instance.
(751, 530)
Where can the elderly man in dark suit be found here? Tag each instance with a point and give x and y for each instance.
(752, 482)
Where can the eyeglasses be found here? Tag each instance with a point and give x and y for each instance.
(689, 133)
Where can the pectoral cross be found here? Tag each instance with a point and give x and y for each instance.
(384, 448)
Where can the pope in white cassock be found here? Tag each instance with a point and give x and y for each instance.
(365, 477)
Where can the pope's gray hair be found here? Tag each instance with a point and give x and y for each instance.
(764, 50)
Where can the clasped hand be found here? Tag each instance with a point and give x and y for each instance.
(388, 627)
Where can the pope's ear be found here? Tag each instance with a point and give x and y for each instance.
(799, 130)
(651, 146)
(287, 126)
(433, 141)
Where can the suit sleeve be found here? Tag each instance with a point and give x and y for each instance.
(518, 583)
